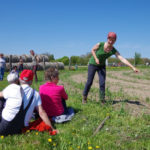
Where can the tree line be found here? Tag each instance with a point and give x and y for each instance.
(84, 59)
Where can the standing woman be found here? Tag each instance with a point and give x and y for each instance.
(100, 52)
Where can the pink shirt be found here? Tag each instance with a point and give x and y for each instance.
(51, 96)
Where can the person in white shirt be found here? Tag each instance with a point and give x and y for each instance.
(2, 66)
(10, 103)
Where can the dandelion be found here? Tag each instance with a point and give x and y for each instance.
(2, 137)
(97, 147)
(54, 144)
(36, 133)
(78, 147)
(49, 140)
(90, 147)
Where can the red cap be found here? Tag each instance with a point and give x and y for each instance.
(26, 75)
(112, 35)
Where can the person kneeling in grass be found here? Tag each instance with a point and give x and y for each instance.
(53, 98)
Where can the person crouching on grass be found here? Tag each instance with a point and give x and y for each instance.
(100, 52)
(54, 98)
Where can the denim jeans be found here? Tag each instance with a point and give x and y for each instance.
(1, 73)
(101, 70)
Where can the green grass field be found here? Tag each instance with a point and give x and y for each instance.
(123, 131)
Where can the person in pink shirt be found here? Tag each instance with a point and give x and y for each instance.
(54, 97)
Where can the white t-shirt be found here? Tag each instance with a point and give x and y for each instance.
(34, 60)
(12, 94)
(2, 62)
(28, 91)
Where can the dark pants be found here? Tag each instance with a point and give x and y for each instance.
(10, 127)
(101, 70)
(1, 73)
(4, 124)
(2, 102)
(34, 69)
(20, 67)
(65, 106)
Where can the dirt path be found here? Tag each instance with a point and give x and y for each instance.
(129, 84)
(116, 80)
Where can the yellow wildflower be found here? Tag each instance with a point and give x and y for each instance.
(36, 133)
(2, 137)
(49, 140)
(97, 147)
(78, 147)
(90, 147)
(54, 144)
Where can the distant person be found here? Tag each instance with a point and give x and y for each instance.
(35, 60)
(54, 98)
(15, 69)
(2, 66)
(20, 65)
(100, 52)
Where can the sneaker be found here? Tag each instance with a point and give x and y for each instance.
(84, 100)
(103, 102)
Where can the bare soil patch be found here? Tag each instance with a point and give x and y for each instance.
(131, 86)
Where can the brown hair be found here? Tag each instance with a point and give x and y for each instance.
(51, 73)
(1, 54)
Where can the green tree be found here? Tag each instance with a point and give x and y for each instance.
(84, 59)
(113, 60)
(64, 59)
(137, 58)
(75, 60)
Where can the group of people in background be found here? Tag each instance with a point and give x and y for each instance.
(19, 101)
(20, 66)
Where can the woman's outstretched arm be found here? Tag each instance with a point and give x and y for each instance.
(126, 62)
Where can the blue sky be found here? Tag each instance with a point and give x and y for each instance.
(72, 27)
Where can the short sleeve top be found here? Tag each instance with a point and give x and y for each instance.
(101, 55)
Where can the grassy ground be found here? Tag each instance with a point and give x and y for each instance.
(122, 131)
